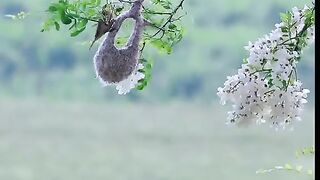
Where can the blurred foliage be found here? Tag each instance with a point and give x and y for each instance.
(56, 66)
(300, 169)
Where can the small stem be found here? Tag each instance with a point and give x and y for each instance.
(270, 91)
(153, 12)
(80, 17)
(283, 43)
(261, 70)
(288, 82)
(233, 87)
(143, 46)
(296, 74)
(125, 1)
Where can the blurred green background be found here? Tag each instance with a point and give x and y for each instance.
(58, 123)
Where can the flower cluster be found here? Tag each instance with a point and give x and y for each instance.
(129, 83)
(266, 88)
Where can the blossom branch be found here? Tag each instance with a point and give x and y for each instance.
(276, 98)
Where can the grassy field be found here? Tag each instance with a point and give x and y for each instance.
(45, 140)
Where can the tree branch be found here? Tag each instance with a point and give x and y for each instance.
(169, 19)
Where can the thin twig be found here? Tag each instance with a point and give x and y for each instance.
(80, 17)
(154, 12)
(125, 1)
(170, 18)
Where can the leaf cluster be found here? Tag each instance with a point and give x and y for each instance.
(74, 14)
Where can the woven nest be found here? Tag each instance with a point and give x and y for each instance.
(114, 64)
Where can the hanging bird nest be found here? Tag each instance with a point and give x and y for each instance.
(114, 64)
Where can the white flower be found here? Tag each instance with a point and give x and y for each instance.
(282, 55)
(297, 13)
(276, 34)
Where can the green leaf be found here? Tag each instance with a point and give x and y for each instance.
(91, 12)
(77, 31)
(65, 19)
(140, 87)
(166, 4)
(149, 66)
(97, 2)
(284, 29)
(119, 9)
(52, 8)
(162, 45)
(48, 24)
(172, 26)
(73, 25)
(305, 151)
(61, 6)
(288, 167)
(245, 61)
(285, 17)
(57, 26)
(284, 83)
(82, 23)
(147, 71)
